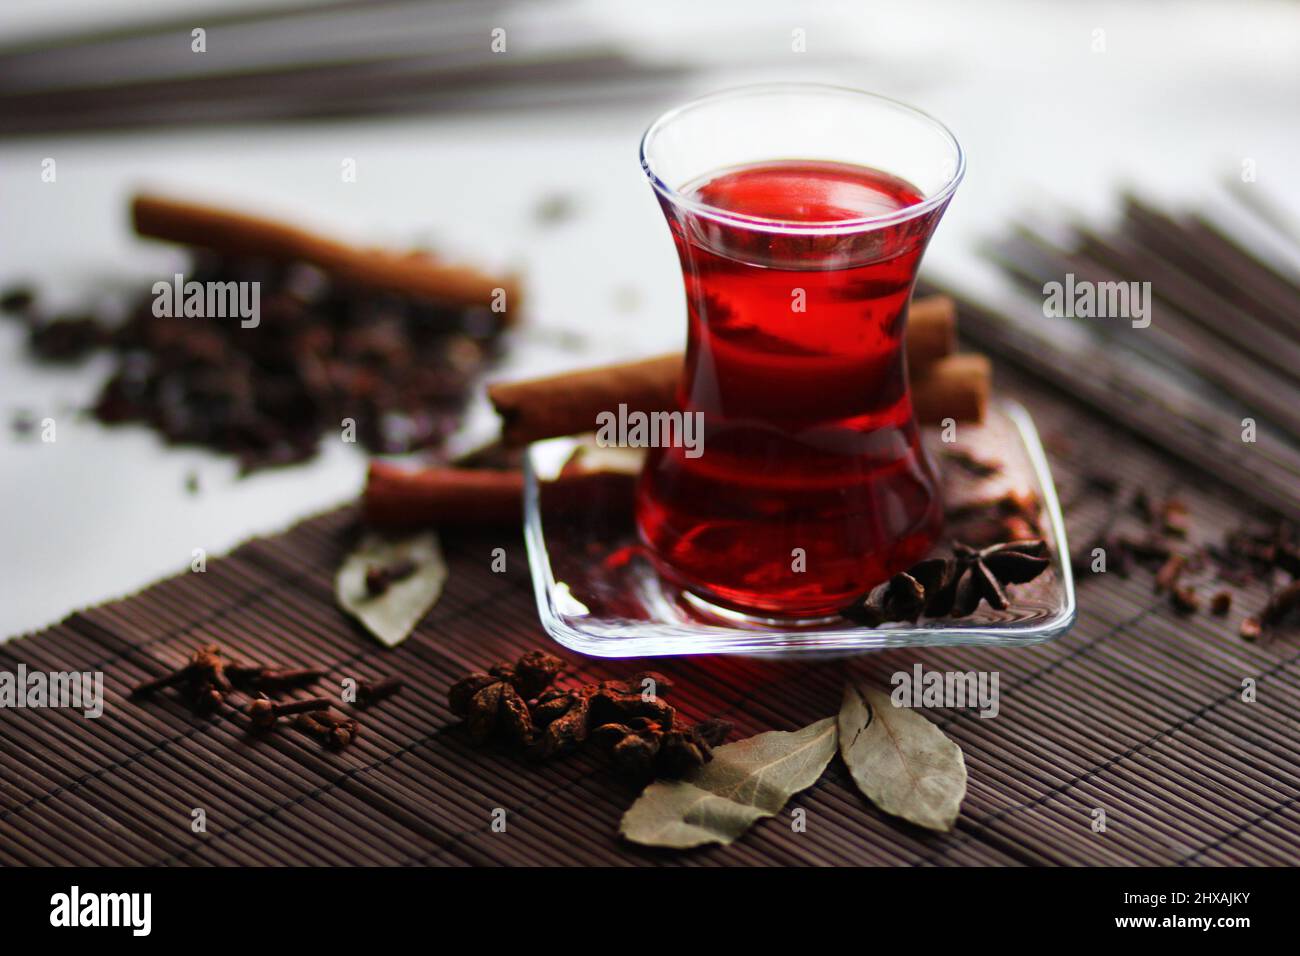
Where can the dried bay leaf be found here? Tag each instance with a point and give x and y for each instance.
(393, 613)
(746, 781)
(901, 761)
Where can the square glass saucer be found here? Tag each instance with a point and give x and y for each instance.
(599, 594)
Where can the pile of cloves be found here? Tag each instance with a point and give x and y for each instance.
(627, 720)
(208, 681)
(320, 353)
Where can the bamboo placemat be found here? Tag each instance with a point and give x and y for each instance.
(1137, 712)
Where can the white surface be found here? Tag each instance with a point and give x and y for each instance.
(1182, 94)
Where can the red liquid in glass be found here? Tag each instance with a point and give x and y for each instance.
(812, 486)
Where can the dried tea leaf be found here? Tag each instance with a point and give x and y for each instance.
(746, 781)
(394, 611)
(903, 763)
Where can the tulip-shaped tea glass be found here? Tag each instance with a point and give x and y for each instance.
(800, 214)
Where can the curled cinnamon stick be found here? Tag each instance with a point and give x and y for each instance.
(954, 387)
(568, 404)
(410, 497)
(400, 497)
(236, 234)
(943, 385)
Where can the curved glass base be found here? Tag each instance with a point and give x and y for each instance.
(730, 617)
(599, 593)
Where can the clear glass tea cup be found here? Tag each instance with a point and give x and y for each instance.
(800, 214)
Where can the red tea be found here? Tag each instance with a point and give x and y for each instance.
(812, 486)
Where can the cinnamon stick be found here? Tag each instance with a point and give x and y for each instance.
(955, 387)
(568, 404)
(236, 234)
(400, 497)
(947, 386)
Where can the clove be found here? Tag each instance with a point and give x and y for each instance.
(264, 713)
(379, 578)
(372, 692)
(333, 730)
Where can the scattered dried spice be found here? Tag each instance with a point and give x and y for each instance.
(561, 717)
(1174, 517)
(1169, 573)
(1257, 551)
(256, 677)
(1280, 605)
(1009, 516)
(901, 598)
(497, 702)
(984, 574)
(208, 680)
(532, 673)
(953, 587)
(68, 338)
(1016, 501)
(972, 464)
(643, 748)
(1147, 549)
(401, 369)
(17, 299)
(1016, 528)
(380, 577)
(1250, 554)
(333, 730)
(390, 584)
(1184, 599)
(370, 693)
(264, 712)
(203, 680)
(639, 731)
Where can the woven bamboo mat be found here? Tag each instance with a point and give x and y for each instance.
(1137, 712)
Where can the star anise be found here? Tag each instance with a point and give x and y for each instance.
(943, 587)
(560, 717)
(567, 715)
(498, 700)
(643, 748)
(984, 574)
(901, 598)
(625, 718)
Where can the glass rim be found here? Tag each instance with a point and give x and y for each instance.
(763, 223)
